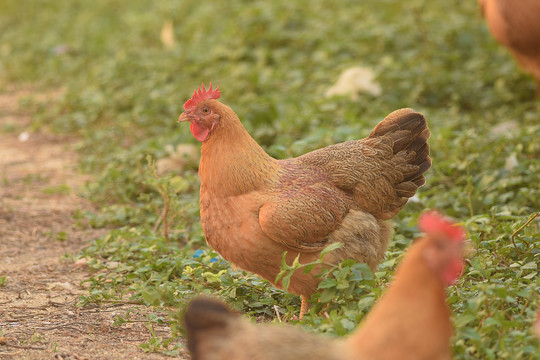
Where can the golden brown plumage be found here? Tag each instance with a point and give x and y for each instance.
(254, 207)
(516, 25)
(410, 322)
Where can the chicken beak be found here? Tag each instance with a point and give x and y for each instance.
(183, 117)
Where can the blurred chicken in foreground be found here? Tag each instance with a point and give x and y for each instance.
(410, 321)
(516, 25)
(536, 326)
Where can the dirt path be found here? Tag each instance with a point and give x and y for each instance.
(39, 282)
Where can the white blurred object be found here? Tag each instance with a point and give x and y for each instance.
(537, 325)
(353, 81)
(60, 286)
(511, 162)
(167, 34)
(112, 264)
(82, 262)
(184, 155)
(504, 127)
(414, 199)
(24, 136)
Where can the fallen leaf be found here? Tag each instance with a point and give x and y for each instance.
(511, 162)
(504, 127)
(353, 81)
(24, 136)
(185, 155)
(167, 34)
(82, 262)
(60, 286)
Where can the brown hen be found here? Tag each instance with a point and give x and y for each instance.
(254, 207)
(516, 25)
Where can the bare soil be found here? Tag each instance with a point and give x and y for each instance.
(40, 284)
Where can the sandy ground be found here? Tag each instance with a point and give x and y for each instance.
(40, 284)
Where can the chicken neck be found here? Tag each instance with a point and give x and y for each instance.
(232, 163)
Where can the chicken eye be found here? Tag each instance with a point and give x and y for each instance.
(205, 110)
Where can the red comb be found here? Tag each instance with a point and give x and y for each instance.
(200, 95)
(432, 222)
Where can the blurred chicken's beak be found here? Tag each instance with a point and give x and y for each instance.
(183, 117)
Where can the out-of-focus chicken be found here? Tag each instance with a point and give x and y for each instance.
(410, 321)
(254, 207)
(536, 326)
(516, 25)
(416, 300)
(216, 333)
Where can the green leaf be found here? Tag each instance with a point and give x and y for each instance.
(287, 280)
(330, 248)
(308, 268)
(472, 334)
(366, 302)
(151, 296)
(347, 324)
(530, 265)
(464, 320)
(328, 294)
(296, 262)
(327, 283)
(342, 284)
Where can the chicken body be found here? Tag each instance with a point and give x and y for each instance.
(254, 207)
(516, 25)
(216, 333)
(411, 321)
(536, 326)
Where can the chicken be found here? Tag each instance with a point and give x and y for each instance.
(536, 326)
(417, 299)
(410, 321)
(516, 25)
(216, 333)
(254, 207)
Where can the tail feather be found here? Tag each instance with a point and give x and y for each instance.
(409, 132)
(422, 154)
(204, 314)
(421, 139)
(424, 166)
(383, 170)
(403, 119)
(406, 189)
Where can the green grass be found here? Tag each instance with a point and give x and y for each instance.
(273, 61)
(57, 189)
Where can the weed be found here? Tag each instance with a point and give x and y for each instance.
(57, 190)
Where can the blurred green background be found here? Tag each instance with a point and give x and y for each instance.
(126, 68)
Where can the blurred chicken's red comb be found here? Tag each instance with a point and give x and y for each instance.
(200, 95)
(432, 222)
